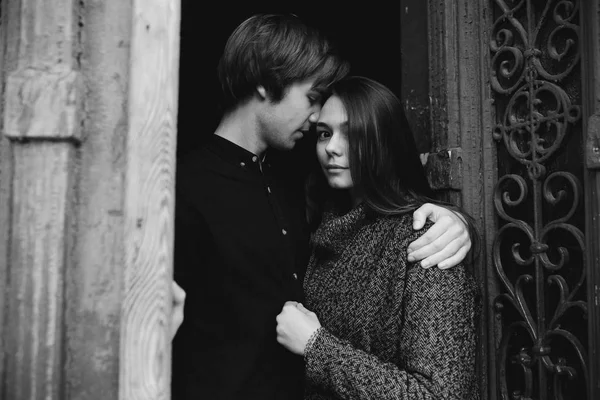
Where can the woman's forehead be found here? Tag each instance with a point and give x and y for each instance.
(333, 112)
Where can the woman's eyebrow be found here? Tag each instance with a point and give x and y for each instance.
(343, 125)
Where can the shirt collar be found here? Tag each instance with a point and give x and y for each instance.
(233, 153)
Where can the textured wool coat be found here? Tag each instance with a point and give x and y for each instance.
(390, 329)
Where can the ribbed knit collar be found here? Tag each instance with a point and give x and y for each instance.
(332, 236)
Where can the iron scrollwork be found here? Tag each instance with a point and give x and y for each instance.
(539, 250)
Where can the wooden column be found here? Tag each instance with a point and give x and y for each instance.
(591, 105)
(41, 118)
(149, 201)
(463, 159)
(86, 197)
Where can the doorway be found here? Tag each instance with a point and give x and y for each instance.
(368, 37)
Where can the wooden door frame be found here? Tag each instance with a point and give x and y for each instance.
(591, 127)
(87, 168)
(461, 120)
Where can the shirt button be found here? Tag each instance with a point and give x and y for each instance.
(242, 164)
(254, 159)
(284, 231)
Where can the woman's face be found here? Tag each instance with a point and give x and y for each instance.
(332, 144)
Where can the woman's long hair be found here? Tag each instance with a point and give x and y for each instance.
(384, 161)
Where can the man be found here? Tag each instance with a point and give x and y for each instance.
(241, 235)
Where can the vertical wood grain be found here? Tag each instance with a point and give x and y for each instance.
(41, 188)
(40, 131)
(5, 194)
(96, 257)
(149, 201)
(462, 116)
(591, 104)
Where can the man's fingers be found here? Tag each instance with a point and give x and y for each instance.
(178, 293)
(442, 255)
(419, 248)
(455, 259)
(420, 215)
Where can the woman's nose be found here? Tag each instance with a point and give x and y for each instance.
(333, 147)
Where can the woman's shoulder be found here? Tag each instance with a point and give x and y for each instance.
(401, 226)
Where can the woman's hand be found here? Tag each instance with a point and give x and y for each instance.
(295, 325)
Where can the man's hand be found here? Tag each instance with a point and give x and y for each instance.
(177, 310)
(446, 243)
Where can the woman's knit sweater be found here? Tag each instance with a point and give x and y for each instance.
(390, 329)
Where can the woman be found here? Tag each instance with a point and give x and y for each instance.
(378, 326)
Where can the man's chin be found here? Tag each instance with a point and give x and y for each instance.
(287, 146)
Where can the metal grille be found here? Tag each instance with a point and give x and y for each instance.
(539, 249)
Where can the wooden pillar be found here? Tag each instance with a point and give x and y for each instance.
(41, 118)
(149, 201)
(86, 197)
(461, 122)
(591, 106)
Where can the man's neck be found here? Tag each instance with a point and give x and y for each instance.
(239, 127)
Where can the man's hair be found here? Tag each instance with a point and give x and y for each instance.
(275, 51)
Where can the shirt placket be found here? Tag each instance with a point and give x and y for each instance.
(274, 201)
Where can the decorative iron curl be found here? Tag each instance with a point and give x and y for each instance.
(515, 293)
(555, 198)
(562, 14)
(565, 304)
(522, 134)
(508, 57)
(503, 197)
(523, 359)
(561, 367)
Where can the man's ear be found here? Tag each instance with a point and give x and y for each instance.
(262, 92)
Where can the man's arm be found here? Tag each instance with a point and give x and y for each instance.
(445, 244)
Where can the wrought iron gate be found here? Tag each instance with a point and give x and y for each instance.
(539, 249)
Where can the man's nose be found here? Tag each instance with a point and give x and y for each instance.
(314, 116)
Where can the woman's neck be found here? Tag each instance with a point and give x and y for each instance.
(355, 197)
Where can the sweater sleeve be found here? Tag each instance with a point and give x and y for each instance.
(437, 346)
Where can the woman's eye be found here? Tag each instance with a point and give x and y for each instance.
(323, 135)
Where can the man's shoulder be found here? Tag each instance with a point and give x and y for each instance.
(196, 161)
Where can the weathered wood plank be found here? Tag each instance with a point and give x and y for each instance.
(591, 91)
(462, 116)
(40, 102)
(5, 185)
(96, 261)
(38, 233)
(149, 202)
(51, 95)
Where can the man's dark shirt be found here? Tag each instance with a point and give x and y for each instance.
(240, 254)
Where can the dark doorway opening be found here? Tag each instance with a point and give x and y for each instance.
(368, 36)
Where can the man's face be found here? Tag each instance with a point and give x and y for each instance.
(285, 122)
